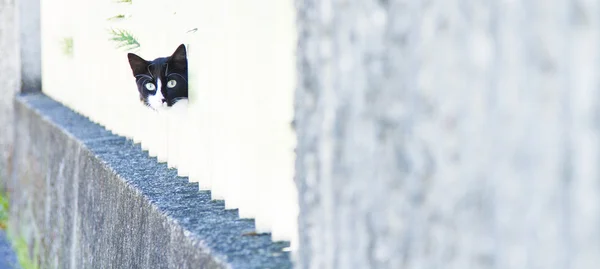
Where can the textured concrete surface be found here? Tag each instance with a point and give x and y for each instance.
(448, 134)
(8, 258)
(10, 79)
(91, 199)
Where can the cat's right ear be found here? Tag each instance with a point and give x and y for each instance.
(138, 65)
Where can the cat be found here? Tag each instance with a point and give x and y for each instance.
(161, 82)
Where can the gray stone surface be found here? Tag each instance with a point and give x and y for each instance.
(10, 78)
(448, 134)
(90, 199)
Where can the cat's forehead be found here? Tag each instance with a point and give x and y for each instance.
(157, 65)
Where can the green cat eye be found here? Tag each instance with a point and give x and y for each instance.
(171, 83)
(150, 86)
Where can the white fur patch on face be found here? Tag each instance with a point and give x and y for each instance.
(156, 100)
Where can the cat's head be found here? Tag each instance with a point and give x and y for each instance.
(163, 81)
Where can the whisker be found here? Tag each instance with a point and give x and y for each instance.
(175, 100)
(145, 103)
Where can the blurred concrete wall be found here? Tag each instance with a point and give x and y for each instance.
(10, 79)
(20, 66)
(448, 134)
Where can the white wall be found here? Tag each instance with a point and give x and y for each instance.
(235, 136)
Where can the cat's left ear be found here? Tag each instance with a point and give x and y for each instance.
(179, 58)
(138, 65)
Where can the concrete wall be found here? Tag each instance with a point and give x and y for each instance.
(30, 45)
(10, 79)
(20, 65)
(86, 198)
(448, 134)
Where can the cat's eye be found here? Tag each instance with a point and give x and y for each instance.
(150, 86)
(171, 83)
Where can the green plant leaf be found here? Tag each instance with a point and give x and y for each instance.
(124, 39)
(116, 18)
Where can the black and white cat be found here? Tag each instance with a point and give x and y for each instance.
(163, 81)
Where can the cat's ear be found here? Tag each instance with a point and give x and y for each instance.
(138, 65)
(179, 58)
